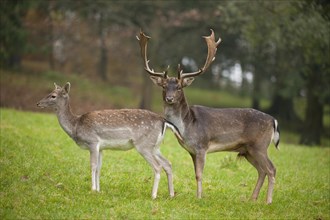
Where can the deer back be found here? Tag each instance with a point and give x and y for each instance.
(225, 129)
(120, 129)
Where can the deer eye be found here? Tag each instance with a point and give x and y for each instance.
(53, 96)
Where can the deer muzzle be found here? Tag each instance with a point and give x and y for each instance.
(169, 99)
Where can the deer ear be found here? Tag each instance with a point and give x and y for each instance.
(56, 86)
(157, 80)
(67, 87)
(187, 81)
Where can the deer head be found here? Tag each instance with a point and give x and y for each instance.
(172, 86)
(58, 97)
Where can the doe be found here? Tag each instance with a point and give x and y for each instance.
(116, 130)
(206, 130)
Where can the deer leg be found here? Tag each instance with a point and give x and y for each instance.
(261, 176)
(149, 157)
(168, 170)
(271, 180)
(268, 168)
(98, 171)
(94, 155)
(199, 162)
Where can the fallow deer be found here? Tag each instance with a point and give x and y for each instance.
(121, 129)
(206, 130)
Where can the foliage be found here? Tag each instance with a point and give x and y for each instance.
(288, 43)
(12, 35)
(45, 175)
(281, 38)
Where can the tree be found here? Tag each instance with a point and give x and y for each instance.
(289, 43)
(314, 48)
(167, 20)
(13, 33)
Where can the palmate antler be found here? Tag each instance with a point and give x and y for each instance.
(211, 51)
(211, 47)
(143, 41)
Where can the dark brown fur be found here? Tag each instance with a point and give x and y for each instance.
(205, 130)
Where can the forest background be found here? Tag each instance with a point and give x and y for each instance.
(274, 54)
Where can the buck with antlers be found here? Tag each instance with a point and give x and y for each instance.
(121, 129)
(206, 130)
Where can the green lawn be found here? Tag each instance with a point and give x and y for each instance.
(44, 175)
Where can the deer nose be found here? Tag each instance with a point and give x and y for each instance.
(40, 105)
(169, 99)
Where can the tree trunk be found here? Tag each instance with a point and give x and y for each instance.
(103, 61)
(51, 36)
(146, 101)
(283, 108)
(257, 77)
(311, 134)
(256, 89)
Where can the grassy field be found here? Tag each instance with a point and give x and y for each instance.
(44, 175)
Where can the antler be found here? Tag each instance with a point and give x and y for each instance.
(211, 51)
(143, 41)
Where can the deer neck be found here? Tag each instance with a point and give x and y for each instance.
(67, 119)
(178, 114)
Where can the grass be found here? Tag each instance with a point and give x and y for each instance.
(44, 175)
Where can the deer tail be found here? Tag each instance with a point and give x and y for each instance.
(276, 134)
